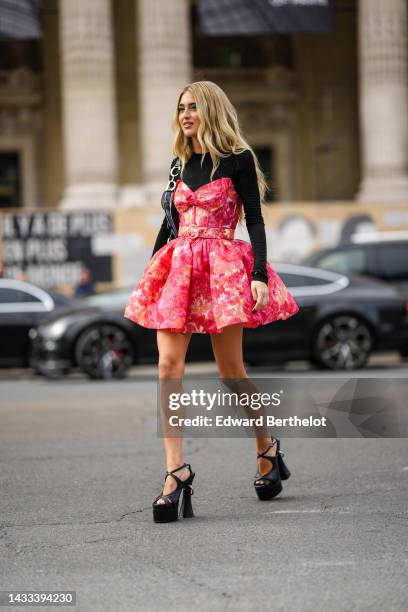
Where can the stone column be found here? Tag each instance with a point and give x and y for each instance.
(165, 67)
(88, 97)
(383, 100)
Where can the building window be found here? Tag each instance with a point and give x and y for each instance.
(266, 160)
(10, 180)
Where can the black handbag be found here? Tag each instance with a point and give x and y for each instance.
(167, 201)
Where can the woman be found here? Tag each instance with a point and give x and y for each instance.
(205, 281)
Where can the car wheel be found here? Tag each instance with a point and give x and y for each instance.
(342, 342)
(104, 351)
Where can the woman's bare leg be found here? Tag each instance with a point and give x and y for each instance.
(228, 354)
(172, 349)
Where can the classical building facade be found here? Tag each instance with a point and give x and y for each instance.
(85, 111)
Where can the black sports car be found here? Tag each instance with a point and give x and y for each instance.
(341, 321)
(22, 307)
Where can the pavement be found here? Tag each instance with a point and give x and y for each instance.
(81, 465)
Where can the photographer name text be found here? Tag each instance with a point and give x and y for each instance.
(230, 421)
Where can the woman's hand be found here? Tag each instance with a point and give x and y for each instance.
(260, 294)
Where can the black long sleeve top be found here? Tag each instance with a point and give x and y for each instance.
(240, 168)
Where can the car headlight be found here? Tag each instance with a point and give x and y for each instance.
(54, 330)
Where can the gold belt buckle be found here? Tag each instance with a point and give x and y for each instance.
(193, 231)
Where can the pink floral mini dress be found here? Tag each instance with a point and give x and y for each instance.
(201, 281)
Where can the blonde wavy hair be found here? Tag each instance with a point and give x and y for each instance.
(218, 132)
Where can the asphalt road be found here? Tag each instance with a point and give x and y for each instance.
(81, 464)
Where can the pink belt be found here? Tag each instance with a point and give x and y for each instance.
(195, 231)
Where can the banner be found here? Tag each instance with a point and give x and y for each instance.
(249, 17)
(48, 248)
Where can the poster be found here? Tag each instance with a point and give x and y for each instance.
(49, 248)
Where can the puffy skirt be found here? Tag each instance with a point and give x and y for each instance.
(204, 285)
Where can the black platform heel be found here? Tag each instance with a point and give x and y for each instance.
(271, 484)
(283, 468)
(169, 511)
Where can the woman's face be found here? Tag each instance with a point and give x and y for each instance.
(187, 114)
